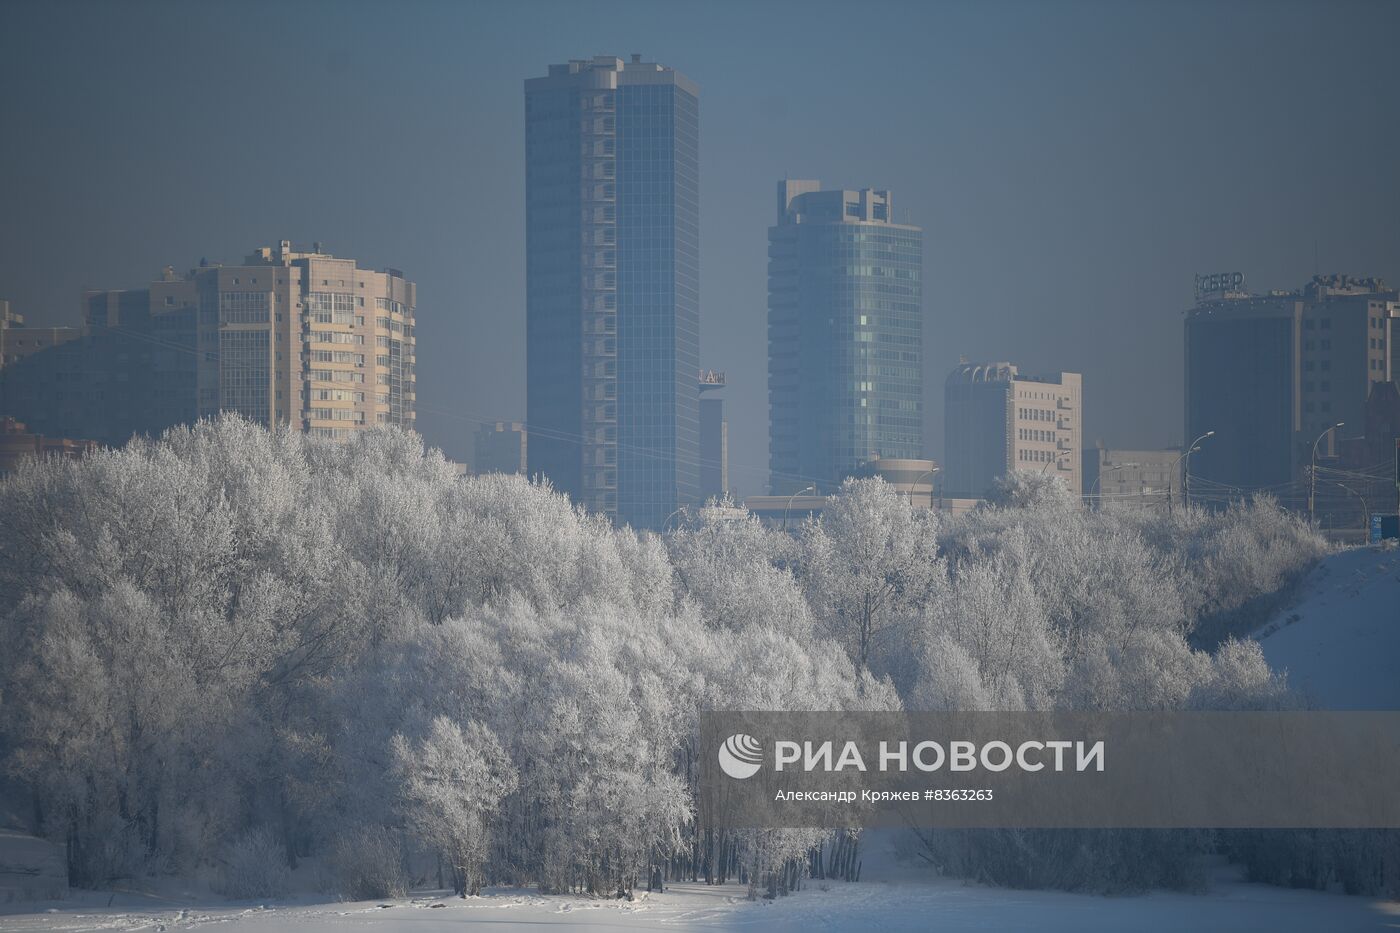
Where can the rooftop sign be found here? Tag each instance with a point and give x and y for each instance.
(1218, 282)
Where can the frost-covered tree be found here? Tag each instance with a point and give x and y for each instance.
(453, 781)
(868, 564)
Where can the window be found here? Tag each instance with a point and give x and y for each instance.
(243, 307)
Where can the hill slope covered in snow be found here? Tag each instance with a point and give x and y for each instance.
(1340, 641)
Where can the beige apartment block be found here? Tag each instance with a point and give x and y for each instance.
(1046, 434)
(997, 421)
(291, 336)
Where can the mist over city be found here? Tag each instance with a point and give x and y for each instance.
(423, 425)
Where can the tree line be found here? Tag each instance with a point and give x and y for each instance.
(231, 650)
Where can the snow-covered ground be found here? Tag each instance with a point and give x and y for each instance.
(903, 896)
(884, 907)
(1340, 643)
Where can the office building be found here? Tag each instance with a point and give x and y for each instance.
(1270, 373)
(291, 336)
(997, 420)
(714, 438)
(502, 447)
(1132, 478)
(845, 335)
(612, 285)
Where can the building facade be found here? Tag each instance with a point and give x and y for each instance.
(612, 285)
(714, 437)
(845, 335)
(913, 479)
(997, 420)
(502, 447)
(290, 337)
(124, 372)
(18, 443)
(1132, 478)
(1269, 374)
(18, 341)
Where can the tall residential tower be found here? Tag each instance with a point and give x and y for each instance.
(612, 285)
(845, 336)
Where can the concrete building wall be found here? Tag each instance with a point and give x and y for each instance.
(502, 447)
(1131, 478)
(914, 479)
(1046, 433)
(714, 449)
(18, 341)
(997, 420)
(17, 443)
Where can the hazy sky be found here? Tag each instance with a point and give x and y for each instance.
(1073, 165)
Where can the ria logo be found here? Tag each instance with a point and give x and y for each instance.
(741, 756)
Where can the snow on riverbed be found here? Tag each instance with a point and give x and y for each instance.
(886, 907)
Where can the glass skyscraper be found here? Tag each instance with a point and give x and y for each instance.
(613, 285)
(845, 336)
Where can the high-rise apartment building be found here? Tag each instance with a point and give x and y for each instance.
(1270, 373)
(612, 285)
(845, 336)
(289, 337)
(997, 420)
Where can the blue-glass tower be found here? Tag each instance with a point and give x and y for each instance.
(613, 285)
(845, 336)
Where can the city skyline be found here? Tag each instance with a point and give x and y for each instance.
(1011, 176)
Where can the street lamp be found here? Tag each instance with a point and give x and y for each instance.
(1102, 473)
(1365, 509)
(1056, 459)
(1312, 469)
(789, 503)
(914, 485)
(667, 522)
(1186, 474)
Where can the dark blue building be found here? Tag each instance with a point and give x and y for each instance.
(613, 285)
